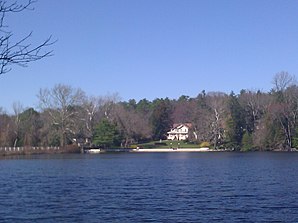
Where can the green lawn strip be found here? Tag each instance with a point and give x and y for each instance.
(168, 144)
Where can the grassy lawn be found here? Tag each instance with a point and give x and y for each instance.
(168, 144)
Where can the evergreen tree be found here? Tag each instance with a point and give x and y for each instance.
(30, 125)
(247, 142)
(295, 138)
(106, 134)
(161, 118)
(235, 123)
(201, 99)
(144, 106)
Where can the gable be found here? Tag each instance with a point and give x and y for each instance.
(181, 128)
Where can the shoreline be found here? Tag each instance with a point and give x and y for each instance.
(25, 151)
(151, 150)
(174, 150)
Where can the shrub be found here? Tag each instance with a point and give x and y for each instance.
(204, 144)
(247, 142)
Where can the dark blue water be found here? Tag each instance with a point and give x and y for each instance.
(150, 187)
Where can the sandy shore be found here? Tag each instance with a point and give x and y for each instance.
(173, 150)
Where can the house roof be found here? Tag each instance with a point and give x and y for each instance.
(180, 125)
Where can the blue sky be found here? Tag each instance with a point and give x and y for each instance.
(155, 48)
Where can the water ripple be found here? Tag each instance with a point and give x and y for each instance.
(213, 187)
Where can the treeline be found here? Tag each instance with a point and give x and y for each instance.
(250, 120)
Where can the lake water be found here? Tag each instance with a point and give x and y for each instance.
(150, 187)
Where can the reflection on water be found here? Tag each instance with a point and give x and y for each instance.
(150, 187)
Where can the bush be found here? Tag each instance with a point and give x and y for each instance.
(247, 142)
(204, 144)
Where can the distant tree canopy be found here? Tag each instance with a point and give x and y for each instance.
(250, 120)
(21, 51)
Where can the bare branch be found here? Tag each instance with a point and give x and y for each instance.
(283, 80)
(20, 52)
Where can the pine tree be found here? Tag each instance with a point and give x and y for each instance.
(161, 118)
(106, 134)
(247, 142)
(236, 123)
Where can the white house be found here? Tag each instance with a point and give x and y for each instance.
(179, 132)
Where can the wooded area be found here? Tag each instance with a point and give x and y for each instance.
(250, 120)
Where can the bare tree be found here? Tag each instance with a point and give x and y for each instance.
(18, 109)
(282, 80)
(109, 105)
(291, 98)
(90, 114)
(18, 52)
(200, 120)
(255, 104)
(2, 111)
(7, 134)
(62, 104)
(217, 102)
(182, 111)
(280, 112)
(131, 124)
